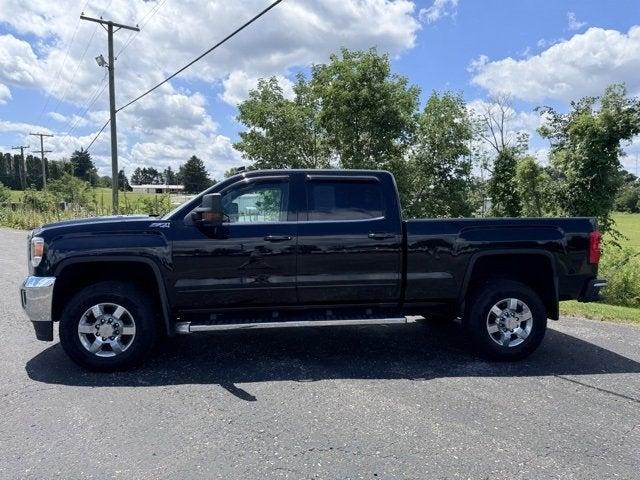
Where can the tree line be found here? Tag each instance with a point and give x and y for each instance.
(20, 175)
(448, 160)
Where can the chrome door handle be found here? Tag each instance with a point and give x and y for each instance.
(381, 236)
(277, 238)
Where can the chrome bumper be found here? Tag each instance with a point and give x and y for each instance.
(36, 295)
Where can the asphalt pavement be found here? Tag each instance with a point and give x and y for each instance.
(327, 403)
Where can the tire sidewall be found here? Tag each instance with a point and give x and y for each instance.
(126, 295)
(485, 298)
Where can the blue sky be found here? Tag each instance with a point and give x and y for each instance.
(538, 52)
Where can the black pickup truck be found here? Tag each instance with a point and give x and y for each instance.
(294, 248)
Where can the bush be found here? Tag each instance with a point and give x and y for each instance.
(72, 190)
(5, 196)
(42, 202)
(621, 267)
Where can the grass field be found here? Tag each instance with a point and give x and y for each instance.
(103, 196)
(629, 225)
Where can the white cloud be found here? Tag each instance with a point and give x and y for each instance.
(172, 123)
(573, 23)
(439, 9)
(5, 94)
(583, 65)
(238, 84)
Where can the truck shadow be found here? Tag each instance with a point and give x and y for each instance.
(422, 351)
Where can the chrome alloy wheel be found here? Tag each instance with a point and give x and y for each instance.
(509, 322)
(106, 329)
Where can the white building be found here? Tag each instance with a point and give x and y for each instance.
(158, 188)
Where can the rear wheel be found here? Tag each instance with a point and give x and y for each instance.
(108, 326)
(506, 320)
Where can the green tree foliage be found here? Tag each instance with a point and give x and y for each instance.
(83, 167)
(534, 188)
(123, 182)
(586, 147)
(104, 181)
(440, 179)
(169, 177)
(72, 190)
(193, 175)
(5, 196)
(146, 176)
(368, 113)
(505, 201)
(57, 168)
(282, 133)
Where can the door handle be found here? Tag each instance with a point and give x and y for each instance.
(381, 236)
(277, 238)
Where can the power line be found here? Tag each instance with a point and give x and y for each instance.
(225, 39)
(221, 42)
(143, 21)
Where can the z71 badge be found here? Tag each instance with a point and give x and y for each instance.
(160, 225)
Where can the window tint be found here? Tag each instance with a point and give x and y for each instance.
(260, 202)
(344, 200)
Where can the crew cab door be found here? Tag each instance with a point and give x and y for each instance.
(349, 240)
(249, 261)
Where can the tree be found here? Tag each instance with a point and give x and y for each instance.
(440, 164)
(533, 185)
(83, 166)
(193, 175)
(57, 168)
(282, 133)
(585, 151)
(169, 176)
(104, 181)
(146, 176)
(368, 114)
(494, 127)
(123, 182)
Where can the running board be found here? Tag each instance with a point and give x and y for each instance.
(188, 327)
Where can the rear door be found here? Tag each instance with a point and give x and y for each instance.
(349, 240)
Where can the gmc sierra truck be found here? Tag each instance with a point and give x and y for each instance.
(301, 248)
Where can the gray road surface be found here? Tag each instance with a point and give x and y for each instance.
(383, 402)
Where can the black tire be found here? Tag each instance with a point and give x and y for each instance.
(478, 310)
(129, 296)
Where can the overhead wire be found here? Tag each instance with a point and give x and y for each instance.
(198, 58)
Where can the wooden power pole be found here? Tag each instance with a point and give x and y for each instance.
(42, 152)
(112, 99)
(22, 169)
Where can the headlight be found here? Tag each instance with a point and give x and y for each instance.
(37, 250)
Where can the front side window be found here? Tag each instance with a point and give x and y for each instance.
(344, 200)
(256, 203)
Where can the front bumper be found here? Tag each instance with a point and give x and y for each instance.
(36, 295)
(591, 292)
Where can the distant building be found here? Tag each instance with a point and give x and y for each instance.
(158, 188)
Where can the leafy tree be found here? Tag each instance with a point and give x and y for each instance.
(368, 113)
(5, 196)
(57, 168)
(146, 176)
(533, 185)
(169, 176)
(104, 181)
(72, 190)
(585, 150)
(83, 166)
(193, 175)
(282, 133)
(440, 164)
(505, 201)
(123, 182)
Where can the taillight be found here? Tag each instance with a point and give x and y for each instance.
(595, 239)
(37, 250)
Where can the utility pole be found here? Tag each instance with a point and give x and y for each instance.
(112, 99)
(22, 170)
(42, 152)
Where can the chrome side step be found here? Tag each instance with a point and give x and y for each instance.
(188, 327)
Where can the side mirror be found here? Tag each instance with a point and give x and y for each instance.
(210, 213)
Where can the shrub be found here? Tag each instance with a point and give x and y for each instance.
(39, 201)
(621, 267)
(5, 196)
(72, 190)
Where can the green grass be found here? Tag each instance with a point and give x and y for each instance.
(102, 195)
(600, 311)
(629, 225)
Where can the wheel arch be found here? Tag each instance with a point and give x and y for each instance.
(540, 276)
(71, 276)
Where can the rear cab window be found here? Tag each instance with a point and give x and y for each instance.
(344, 199)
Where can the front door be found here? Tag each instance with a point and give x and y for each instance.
(250, 261)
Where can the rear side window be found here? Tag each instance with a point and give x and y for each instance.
(344, 200)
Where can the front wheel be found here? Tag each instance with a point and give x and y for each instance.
(108, 326)
(506, 320)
